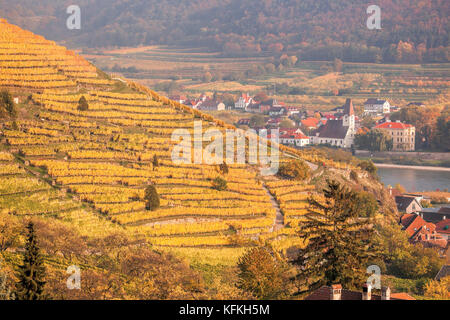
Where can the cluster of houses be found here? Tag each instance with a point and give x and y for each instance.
(336, 127)
(203, 103)
(427, 226)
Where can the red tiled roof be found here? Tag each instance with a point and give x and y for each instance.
(401, 296)
(310, 122)
(300, 136)
(293, 136)
(406, 219)
(393, 125)
(443, 226)
(417, 224)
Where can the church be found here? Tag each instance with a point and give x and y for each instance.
(340, 132)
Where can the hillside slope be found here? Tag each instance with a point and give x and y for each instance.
(88, 169)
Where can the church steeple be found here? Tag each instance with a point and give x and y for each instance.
(348, 108)
(348, 120)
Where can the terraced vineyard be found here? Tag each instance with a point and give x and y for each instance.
(32, 62)
(89, 168)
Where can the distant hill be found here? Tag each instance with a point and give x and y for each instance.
(412, 30)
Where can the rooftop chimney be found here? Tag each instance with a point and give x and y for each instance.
(385, 293)
(367, 292)
(336, 292)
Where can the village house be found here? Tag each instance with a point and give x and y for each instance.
(290, 111)
(376, 107)
(211, 105)
(257, 107)
(194, 104)
(340, 133)
(443, 228)
(297, 139)
(202, 97)
(420, 231)
(336, 292)
(403, 135)
(435, 215)
(294, 137)
(243, 101)
(277, 111)
(408, 204)
(274, 122)
(273, 103)
(290, 131)
(245, 122)
(178, 98)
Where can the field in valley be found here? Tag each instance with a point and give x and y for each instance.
(313, 85)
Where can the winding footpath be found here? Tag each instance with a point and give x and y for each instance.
(279, 219)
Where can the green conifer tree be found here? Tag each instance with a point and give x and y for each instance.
(32, 272)
(340, 240)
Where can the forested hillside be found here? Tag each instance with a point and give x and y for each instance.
(412, 30)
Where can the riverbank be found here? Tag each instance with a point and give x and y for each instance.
(401, 166)
(415, 159)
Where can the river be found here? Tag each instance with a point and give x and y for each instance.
(415, 180)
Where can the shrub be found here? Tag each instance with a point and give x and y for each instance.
(368, 166)
(224, 168)
(219, 184)
(151, 198)
(296, 169)
(83, 104)
(263, 274)
(7, 105)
